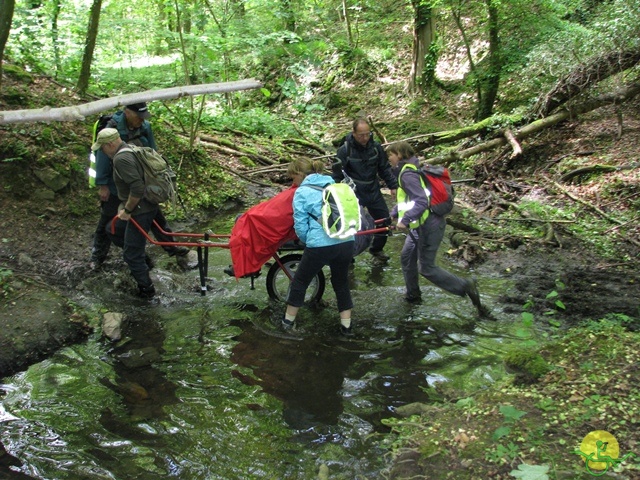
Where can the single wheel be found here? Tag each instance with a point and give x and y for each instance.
(278, 282)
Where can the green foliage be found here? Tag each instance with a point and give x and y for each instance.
(5, 280)
(531, 472)
(511, 414)
(255, 121)
(209, 185)
(612, 320)
(575, 33)
(18, 73)
(16, 96)
(529, 364)
(14, 150)
(503, 453)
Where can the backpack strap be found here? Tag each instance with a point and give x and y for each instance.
(417, 170)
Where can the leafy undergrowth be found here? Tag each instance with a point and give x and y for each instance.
(533, 431)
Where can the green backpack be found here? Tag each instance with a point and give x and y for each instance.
(340, 210)
(159, 178)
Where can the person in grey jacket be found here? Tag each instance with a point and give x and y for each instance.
(425, 231)
(320, 249)
(129, 180)
(365, 161)
(134, 128)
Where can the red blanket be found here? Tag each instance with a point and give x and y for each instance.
(259, 232)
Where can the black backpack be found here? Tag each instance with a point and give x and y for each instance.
(100, 124)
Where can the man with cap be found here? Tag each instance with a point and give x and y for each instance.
(133, 127)
(129, 180)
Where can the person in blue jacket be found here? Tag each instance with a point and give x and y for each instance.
(320, 249)
(134, 128)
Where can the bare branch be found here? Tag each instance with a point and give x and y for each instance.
(513, 141)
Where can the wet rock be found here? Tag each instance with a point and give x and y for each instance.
(44, 195)
(188, 261)
(112, 325)
(25, 260)
(416, 408)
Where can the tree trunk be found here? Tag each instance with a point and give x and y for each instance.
(54, 36)
(289, 15)
(585, 76)
(89, 46)
(347, 21)
(457, 17)
(6, 16)
(423, 63)
(490, 81)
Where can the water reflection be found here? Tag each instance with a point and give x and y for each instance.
(306, 375)
(144, 389)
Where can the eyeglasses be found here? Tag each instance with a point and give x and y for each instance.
(361, 134)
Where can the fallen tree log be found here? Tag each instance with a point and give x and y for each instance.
(80, 112)
(228, 147)
(621, 95)
(597, 169)
(586, 76)
(303, 143)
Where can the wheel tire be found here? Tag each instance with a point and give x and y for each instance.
(278, 282)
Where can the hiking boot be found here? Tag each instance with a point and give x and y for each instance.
(413, 298)
(471, 290)
(149, 261)
(95, 265)
(179, 252)
(346, 331)
(379, 255)
(232, 273)
(287, 324)
(146, 292)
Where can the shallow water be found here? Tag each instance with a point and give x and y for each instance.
(209, 387)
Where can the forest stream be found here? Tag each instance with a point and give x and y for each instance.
(204, 387)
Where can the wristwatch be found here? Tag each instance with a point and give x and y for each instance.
(127, 211)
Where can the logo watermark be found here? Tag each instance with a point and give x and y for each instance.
(601, 451)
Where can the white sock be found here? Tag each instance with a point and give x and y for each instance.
(346, 322)
(290, 318)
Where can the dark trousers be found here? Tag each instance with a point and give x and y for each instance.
(161, 237)
(133, 243)
(377, 208)
(419, 257)
(338, 258)
(102, 241)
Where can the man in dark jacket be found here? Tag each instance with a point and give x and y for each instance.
(365, 161)
(129, 180)
(134, 128)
